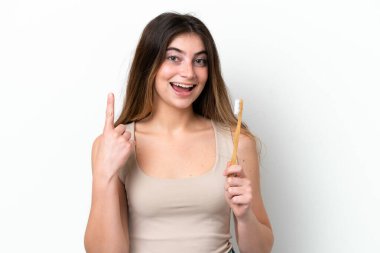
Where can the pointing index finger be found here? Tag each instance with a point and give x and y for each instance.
(109, 124)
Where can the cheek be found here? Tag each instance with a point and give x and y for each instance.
(203, 75)
(165, 72)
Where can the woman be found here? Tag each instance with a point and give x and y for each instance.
(161, 178)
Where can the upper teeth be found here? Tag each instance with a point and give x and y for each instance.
(183, 85)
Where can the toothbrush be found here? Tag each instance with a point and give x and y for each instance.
(238, 110)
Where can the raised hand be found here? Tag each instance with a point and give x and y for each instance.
(111, 149)
(238, 191)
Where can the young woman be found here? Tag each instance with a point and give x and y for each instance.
(161, 178)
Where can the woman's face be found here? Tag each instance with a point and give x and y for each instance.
(183, 74)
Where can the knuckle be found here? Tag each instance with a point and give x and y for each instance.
(109, 113)
(114, 134)
(237, 167)
(127, 134)
(127, 146)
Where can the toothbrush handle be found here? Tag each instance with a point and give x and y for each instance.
(236, 135)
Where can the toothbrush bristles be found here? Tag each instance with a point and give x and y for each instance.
(237, 106)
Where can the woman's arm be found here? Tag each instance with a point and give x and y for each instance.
(107, 227)
(252, 226)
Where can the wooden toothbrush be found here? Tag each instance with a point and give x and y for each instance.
(238, 110)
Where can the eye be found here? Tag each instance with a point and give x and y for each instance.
(173, 58)
(202, 62)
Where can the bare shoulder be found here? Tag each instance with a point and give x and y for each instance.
(248, 158)
(247, 149)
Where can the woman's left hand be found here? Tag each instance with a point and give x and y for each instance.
(238, 191)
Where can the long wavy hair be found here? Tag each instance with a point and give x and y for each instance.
(213, 103)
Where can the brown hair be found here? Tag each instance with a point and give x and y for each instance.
(214, 101)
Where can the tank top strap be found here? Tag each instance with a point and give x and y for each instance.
(224, 140)
(130, 127)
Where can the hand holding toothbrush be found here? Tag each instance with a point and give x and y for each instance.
(238, 190)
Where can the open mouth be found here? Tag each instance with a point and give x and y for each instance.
(180, 87)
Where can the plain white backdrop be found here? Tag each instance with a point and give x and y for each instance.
(307, 70)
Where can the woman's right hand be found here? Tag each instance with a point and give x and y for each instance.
(111, 149)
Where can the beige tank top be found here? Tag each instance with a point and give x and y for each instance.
(179, 215)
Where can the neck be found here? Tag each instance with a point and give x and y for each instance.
(170, 120)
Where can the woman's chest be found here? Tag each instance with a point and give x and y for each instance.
(174, 158)
(152, 197)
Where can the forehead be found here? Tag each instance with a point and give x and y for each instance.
(188, 42)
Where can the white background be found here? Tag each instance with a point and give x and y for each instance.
(307, 70)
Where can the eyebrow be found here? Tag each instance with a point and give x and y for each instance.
(182, 52)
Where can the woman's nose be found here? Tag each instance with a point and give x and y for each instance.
(187, 70)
